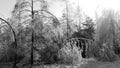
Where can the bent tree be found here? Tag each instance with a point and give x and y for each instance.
(15, 40)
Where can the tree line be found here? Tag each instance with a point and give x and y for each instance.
(36, 35)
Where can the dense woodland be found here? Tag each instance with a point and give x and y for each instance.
(37, 36)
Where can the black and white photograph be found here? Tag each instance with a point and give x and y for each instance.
(59, 34)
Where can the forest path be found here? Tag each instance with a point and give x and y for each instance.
(86, 64)
(90, 64)
(97, 64)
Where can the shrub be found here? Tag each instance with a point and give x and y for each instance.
(107, 55)
(91, 50)
(70, 55)
(9, 55)
(48, 55)
(104, 53)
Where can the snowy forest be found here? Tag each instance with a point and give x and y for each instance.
(36, 38)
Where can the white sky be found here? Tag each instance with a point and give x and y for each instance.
(88, 6)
